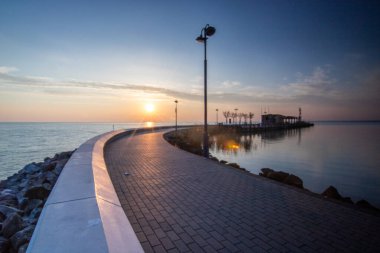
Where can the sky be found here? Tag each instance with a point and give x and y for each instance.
(104, 61)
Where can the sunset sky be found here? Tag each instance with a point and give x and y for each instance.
(104, 61)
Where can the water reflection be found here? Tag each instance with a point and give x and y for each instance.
(149, 124)
(344, 155)
(234, 142)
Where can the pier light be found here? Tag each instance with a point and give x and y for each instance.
(206, 32)
(176, 102)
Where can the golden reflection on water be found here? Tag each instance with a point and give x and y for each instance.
(149, 124)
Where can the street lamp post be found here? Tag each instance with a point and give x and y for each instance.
(206, 32)
(236, 109)
(217, 110)
(176, 102)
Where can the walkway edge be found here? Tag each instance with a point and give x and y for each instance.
(83, 212)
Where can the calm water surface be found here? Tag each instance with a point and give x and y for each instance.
(23, 143)
(345, 155)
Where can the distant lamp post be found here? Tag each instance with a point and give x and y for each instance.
(236, 109)
(176, 126)
(206, 32)
(217, 110)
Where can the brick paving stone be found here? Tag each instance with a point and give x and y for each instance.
(159, 249)
(214, 243)
(172, 235)
(175, 250)
(160, 233)
(177, 202)
(229, 246)
(167, 243)
(153, 240)
(141, 236)
(186, 238)
(181, 246)
(195, 247)
(146, 247)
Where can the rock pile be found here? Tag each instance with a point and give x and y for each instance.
(332, 193)
(282, 177)
(22, 197)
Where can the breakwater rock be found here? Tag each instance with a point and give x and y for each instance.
(282, 177)
(332, 193)
(22, 197)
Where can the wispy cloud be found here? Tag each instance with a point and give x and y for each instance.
(57, 86)
(6, 70)
(317, 84)
(316, 87)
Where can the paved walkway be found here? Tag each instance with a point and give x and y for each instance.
(180, 202)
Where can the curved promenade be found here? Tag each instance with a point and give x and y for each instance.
(180, 202)
(83, 212)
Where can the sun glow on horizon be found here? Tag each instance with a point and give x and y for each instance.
(149, 107)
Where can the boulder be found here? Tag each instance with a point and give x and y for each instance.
(214, 158)
(12, 224)
(48, 166)
(332, 192)
(235, 165)
(23, 248)
(365, 204)
(6, 211)
(279, 176)
(59, 167)
(265, 172)
(37, 192)
(223, 161)
(31, 168)
(294, 181)
(8, 199)
(22, 237)
(32, 204)
(23, 202)
(50, 177)
(63, 155)
(35, 214)
(4, 244)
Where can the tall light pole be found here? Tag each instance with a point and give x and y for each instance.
(176, 102)
(217, 110)
(206, 32)
(236, 109)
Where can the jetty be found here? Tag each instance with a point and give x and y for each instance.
(180, 202)
(132, 191)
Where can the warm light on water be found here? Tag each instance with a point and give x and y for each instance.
(344, 155)
(149, 124)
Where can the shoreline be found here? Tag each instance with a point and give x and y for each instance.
(22, 198)
(191, 142)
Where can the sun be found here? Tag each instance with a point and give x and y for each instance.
(149, 107)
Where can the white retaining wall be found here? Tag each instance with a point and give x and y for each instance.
(83, 212)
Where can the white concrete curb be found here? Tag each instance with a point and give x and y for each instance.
(83, 212)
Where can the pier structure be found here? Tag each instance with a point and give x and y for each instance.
(131, 191)
(180, 202)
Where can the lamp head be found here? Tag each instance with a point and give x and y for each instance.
(200, 39)
(210, 30)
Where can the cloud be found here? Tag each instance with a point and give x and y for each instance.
(318, 87)
(230, 84)
(52, 86)
(317, 84)
(6, 70)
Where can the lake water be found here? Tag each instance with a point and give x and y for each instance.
(345, 155)
(23, 143)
